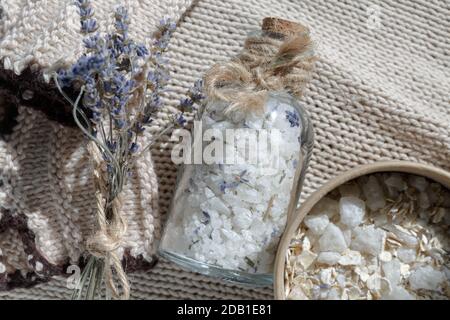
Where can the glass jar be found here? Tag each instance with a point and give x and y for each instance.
(228, 213)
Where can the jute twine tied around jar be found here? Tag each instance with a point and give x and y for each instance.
(280, 58)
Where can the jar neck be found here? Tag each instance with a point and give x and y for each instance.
(277, 58)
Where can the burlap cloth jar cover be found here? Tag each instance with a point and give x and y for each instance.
(380, 91)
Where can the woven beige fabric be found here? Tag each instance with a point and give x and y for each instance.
(380, 91)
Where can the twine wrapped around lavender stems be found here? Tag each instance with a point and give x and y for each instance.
(280, 58)
(120, 85)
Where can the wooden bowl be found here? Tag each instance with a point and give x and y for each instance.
(427, 171)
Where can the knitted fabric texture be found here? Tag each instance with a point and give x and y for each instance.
(380, 91)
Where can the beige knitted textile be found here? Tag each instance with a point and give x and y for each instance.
(381, 90)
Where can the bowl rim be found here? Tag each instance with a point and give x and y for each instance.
(425, 170)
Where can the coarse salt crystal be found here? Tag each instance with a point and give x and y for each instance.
(374, 194)
(326, 275)
(332, 239)
(317, 224)
(350, 258)
(426, 278)
(329, 258)
(396, 181)
(333, 294)
(368, 239)
(306, 258)
(398, 293)
(352, 211)
(391, 271)
(297, 294)
(385, 256)
(406, 255)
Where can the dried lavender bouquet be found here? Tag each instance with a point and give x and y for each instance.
(120, 84)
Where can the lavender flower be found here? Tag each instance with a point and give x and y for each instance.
(207, 217)
(141, 50)
(223, 186)
(115, 103)
(181, 120)
(293, 118)
(88, 24)
(134, 147)
(194, 97)
(91, 42)
(122, 20)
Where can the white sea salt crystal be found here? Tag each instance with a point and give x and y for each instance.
(426, 278)
(385, 256)
(39, 266)
(248, 194)
(332, 239)
(347, 236)
(368, 239)
(406, 255)
(333, 294)
(209, 193)
(317, 224)
(391, 271)
(297, 294)
(447, 273)
(379, 219)
(405, 270)
(306, 258)
(194, 199)
(231, 199)
(398, 293)
(340, 279)
(217, 204)
(374, 194)
(374, 282)
(216, 220)
(306, 245)
(230, 234)
(242, 218)
(350, 258)
(326, 275)
(216, 236)
(364, 276)
(420, 183)
(328, 257)
(396, 181)
(352, 211)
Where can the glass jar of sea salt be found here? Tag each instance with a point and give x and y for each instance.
(234, 196)
(228, 212)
